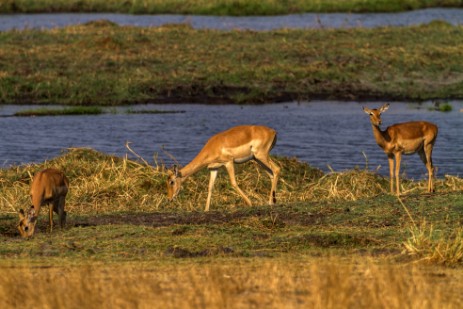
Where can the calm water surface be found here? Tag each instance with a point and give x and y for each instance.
(258, 23)
(324, 134)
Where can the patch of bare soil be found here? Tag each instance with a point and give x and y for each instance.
(158, 219)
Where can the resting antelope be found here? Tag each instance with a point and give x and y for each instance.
(404, 138)
(49, 186)
(236, 145)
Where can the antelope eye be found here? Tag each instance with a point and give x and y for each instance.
(172, 182)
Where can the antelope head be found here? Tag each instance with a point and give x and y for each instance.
(375, 114)
(174, 183)
(27, 221)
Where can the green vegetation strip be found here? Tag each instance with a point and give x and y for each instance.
(104, 64)
(84, 110)
(220, 7)
(77, 110)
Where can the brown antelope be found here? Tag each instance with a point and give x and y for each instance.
(49, 186)
(404, 138)
(236, 145)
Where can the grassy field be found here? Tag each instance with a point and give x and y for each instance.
(333, 239)
(104, 64)
(220, 7)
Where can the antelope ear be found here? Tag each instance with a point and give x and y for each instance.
(176, 170)
(32, 211)
(367, 110)
(384, 108)
(21, 214)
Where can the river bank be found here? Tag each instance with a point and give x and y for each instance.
(221, 7)
(101, 63)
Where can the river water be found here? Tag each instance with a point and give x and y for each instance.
(328, 135)
(335, 135)
(258, 23)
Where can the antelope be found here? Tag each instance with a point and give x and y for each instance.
(404, 138)
(235, 145)
(49, 186)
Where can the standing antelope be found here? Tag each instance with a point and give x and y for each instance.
(49, 186)
(236, 145)
(404, 138)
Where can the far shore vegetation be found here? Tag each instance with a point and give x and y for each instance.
(220, 7)
(100, 63)
(75, 110)
(86, 110)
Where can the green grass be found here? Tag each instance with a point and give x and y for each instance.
(441, 106)
(220, 7)
(372, 227)
(77, 110)
(103, 64)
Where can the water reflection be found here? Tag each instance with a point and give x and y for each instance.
(333, 135)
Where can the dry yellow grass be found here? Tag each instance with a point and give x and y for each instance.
(311, 283)
(100, 183)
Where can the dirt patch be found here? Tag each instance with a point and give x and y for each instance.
(178, 252)
(160, 219)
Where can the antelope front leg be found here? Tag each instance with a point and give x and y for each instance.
(211, 186)
(390, 159)
(398, 159)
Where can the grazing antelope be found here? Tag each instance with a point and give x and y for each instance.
(236, 145)
(404, 138)
(49, 186)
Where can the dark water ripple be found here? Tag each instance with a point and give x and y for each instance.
(335, 134)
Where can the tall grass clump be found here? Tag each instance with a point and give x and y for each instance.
(349, 185)
(435, 246)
